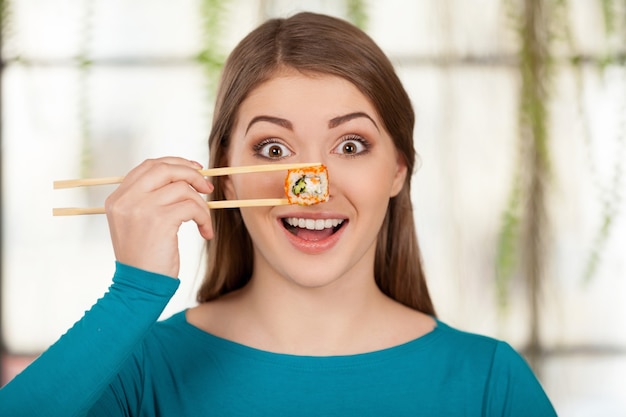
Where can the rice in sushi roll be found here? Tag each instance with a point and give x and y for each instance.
(307, 186)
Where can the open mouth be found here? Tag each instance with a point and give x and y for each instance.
(312, 229)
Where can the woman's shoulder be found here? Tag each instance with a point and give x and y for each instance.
(481, 351)
(169, 328)
(472, 351)
(174, 339)
(509, 381)
(456, 337)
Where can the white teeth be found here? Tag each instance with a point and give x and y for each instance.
(313, 224)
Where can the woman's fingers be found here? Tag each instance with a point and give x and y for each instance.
(155, 173)
(173, 193)
(147, 209)
(150, 163)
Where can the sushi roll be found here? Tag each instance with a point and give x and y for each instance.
(307, 186)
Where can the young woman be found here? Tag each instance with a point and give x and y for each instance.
(305, 310)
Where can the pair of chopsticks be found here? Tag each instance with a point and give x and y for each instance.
(212, 172)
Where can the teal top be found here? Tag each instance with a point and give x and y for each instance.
(119, 361)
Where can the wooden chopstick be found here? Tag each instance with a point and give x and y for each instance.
(213, 172)
(75, 211)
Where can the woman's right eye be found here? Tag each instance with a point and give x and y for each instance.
(272, 149)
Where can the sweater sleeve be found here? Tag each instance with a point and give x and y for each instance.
(69, 377)
(513, 389)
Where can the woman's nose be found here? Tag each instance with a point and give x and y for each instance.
(313, 154)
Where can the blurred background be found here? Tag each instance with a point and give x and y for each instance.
(519, 197)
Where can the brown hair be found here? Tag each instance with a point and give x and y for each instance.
(314, 43)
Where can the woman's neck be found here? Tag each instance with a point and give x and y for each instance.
(345, 317)
(322, 320)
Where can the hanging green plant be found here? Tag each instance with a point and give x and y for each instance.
(525, 207)
(508, 244)
(211, 57)
(357, 13)
(5, 14)
(521, 242)
(524, 224)
(609, 8)
(609, 191)
(84, 64)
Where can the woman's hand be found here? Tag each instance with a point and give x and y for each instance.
(147, 209)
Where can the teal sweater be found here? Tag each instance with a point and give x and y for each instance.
(117, 362)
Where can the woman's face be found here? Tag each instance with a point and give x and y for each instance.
(314, 118)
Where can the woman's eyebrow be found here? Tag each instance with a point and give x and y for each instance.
(271, 119)
(347, 117)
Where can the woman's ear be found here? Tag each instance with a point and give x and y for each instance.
(227, 181)
(400, 176)
(229, 189)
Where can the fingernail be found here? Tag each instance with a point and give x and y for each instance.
(196, 163)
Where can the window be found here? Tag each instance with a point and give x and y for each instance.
(93, 88)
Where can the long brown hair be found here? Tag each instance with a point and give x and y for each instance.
(314, 43)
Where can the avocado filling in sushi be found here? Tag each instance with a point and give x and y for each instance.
(300, 186)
